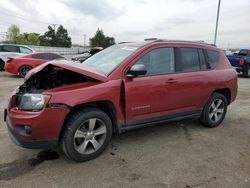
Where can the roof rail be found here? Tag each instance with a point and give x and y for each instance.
(150, 39)
(124, 42)
(195, 42)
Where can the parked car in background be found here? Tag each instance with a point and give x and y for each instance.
(12, 50)
(85, 55)
(126, 86)
(21, 65)
(241, 61)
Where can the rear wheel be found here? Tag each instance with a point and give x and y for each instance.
(214, 111)
(2, 64)
(23, 70)
(246, 71)
(87, 133)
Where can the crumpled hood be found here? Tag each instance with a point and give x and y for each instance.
(72, 66)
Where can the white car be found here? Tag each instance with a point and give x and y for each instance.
(12, 50)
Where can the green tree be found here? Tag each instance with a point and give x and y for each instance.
(33, 39)
(28, 39)
(62, 37)
(59, 38)
(100, 40)
(20, 39)
(12, 34)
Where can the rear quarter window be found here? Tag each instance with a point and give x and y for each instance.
(212, 58)
(50, 56)
(38, 56)
(25, 50)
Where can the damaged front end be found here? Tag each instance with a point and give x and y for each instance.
(33, 118)
(31, 96)
(51, 77)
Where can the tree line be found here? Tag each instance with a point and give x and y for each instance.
(54, 37)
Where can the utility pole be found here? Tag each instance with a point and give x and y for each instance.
(217, 20)
(84, 37)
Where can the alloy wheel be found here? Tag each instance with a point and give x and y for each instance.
(216, 111)
(90, 136)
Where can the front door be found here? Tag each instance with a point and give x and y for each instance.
(147, 96)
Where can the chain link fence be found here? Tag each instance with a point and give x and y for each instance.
(59, 50)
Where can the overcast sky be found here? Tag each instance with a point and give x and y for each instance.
(133, 20)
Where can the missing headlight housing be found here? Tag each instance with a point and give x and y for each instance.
(31, 101)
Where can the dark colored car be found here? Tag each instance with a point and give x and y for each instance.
(241, 61)
(82, 57)
(126, 86)
(21, 65)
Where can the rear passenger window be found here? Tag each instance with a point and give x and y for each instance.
(212, 58)
(158, 61)
(203, 63)
(189, 59)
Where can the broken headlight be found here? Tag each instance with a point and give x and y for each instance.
(32, 102)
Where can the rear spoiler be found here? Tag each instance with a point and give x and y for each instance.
(8, 59)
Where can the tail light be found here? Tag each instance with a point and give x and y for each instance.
(242, 61)
(9, 59)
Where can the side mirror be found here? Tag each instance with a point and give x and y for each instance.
(136, 70)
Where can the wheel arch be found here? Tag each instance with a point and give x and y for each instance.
(226, 92)
(25, 65)
(106, 106)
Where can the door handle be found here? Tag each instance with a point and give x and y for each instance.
(171, 81)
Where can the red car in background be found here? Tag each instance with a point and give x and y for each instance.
(21, 65)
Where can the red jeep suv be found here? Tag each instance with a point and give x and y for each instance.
(126, 86)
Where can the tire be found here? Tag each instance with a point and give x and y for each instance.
(212, 117)
(1, 64)
(245, 70)
(86, 135)
(23, 70)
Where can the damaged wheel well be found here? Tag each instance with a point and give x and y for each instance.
(106, 106)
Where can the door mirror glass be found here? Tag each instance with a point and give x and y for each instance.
(136, 70)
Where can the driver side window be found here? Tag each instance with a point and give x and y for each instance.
(158, 61)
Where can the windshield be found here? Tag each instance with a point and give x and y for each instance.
(107, 60)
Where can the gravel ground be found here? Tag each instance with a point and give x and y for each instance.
(182, 154)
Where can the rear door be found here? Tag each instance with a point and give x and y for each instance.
(194, 78)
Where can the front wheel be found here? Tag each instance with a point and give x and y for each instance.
(214, 111)
(87, 133)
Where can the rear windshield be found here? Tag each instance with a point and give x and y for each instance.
(243, 52)
(107, 60)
